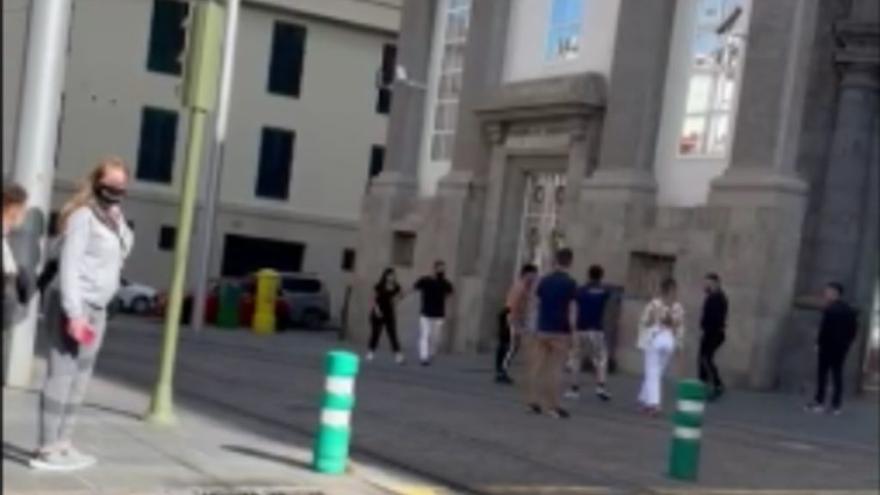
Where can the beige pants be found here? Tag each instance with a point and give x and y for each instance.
(547, 354)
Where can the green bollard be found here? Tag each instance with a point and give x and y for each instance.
(684, 455)
(334, 433)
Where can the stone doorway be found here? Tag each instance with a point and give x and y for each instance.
(542, 227)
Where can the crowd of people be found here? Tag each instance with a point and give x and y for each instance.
(560, 324)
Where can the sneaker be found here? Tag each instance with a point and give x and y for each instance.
(426, 362)
(559, 413)
(814, 408)
(603, 394)
(535, 409)
(55, 461)
(836, 411)
(78, 457)
(399, 359)
(573, 393)
(370, 356)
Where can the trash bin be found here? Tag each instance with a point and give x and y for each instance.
(229, 295)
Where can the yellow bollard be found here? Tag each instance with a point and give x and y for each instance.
(264, 305)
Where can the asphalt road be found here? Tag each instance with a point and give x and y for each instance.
(450, 423)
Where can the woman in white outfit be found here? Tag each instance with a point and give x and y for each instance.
(661, 330)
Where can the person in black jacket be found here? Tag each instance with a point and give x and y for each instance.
(713, 323)
(836, 334)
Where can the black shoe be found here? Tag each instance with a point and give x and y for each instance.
(426, 362)
(535, 409)
(603, 394)
(503, 379)
(559, 413)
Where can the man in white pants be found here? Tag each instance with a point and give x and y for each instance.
(435, 290)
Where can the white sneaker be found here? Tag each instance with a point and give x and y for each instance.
(55, 461)
(370, 356)
(400, 359)
(572, 393)
(78, 457)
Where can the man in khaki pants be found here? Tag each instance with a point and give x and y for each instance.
(552, 338)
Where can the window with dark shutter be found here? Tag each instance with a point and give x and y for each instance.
(377, 160)
(276, 162)
(167, 36)
(286, 63)
(389, 62)
(158, 139)
(167, 238)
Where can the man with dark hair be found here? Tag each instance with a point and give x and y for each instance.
(513, 321)
(836, 334)
(713, 323)
(435, 291)
(591, 300)
(552, 338)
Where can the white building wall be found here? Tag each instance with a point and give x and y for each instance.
(527, 40)
(334, 118)
(683, 180)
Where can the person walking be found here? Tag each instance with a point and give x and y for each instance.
(837, 332)
(435, 290)
(96, 242)
(14, 290)
(552, 338)
(387, 293)
(591, 299)
(713, 323)
(661, 332)
(512, 322)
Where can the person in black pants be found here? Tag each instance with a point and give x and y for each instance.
(713, 323)
(836, 334)
(383, 315)
(513, 321)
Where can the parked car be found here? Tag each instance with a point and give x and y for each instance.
(308, 299)
(135, 298)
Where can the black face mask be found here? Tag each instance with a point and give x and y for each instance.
(109, 195)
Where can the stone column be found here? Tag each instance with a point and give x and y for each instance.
(846, 237)
(461, 194)
(844, 215)
(619, 197)
(758, 204)
(394, 191)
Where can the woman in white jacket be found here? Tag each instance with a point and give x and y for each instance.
(661, 332)
(95, 242)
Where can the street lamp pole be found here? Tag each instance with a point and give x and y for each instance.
(215, 165)
(34, 164)
(199, 95)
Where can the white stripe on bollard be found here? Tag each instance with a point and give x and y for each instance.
(340, 385)
(335, 418)
(686, 433)
(691, 406)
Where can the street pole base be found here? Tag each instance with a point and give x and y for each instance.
(161, 412)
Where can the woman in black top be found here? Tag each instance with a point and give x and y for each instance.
(386, 294)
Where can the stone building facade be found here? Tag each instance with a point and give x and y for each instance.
(576, 157)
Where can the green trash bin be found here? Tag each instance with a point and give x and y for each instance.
(227, 305)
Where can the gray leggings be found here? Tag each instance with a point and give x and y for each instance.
(70, 368)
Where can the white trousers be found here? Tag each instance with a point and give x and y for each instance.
(429, 335)
(657, 354)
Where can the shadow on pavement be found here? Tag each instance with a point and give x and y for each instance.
(16, 454)
(266, 456)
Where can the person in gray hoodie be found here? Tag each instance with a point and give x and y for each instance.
(95, 241)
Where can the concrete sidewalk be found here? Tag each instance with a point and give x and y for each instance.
(201, 455)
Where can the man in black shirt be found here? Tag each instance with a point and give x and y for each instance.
(836, 334)
(713, 323)
(435, 291)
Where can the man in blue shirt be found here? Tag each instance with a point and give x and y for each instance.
(552, 338)
(591, 300)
